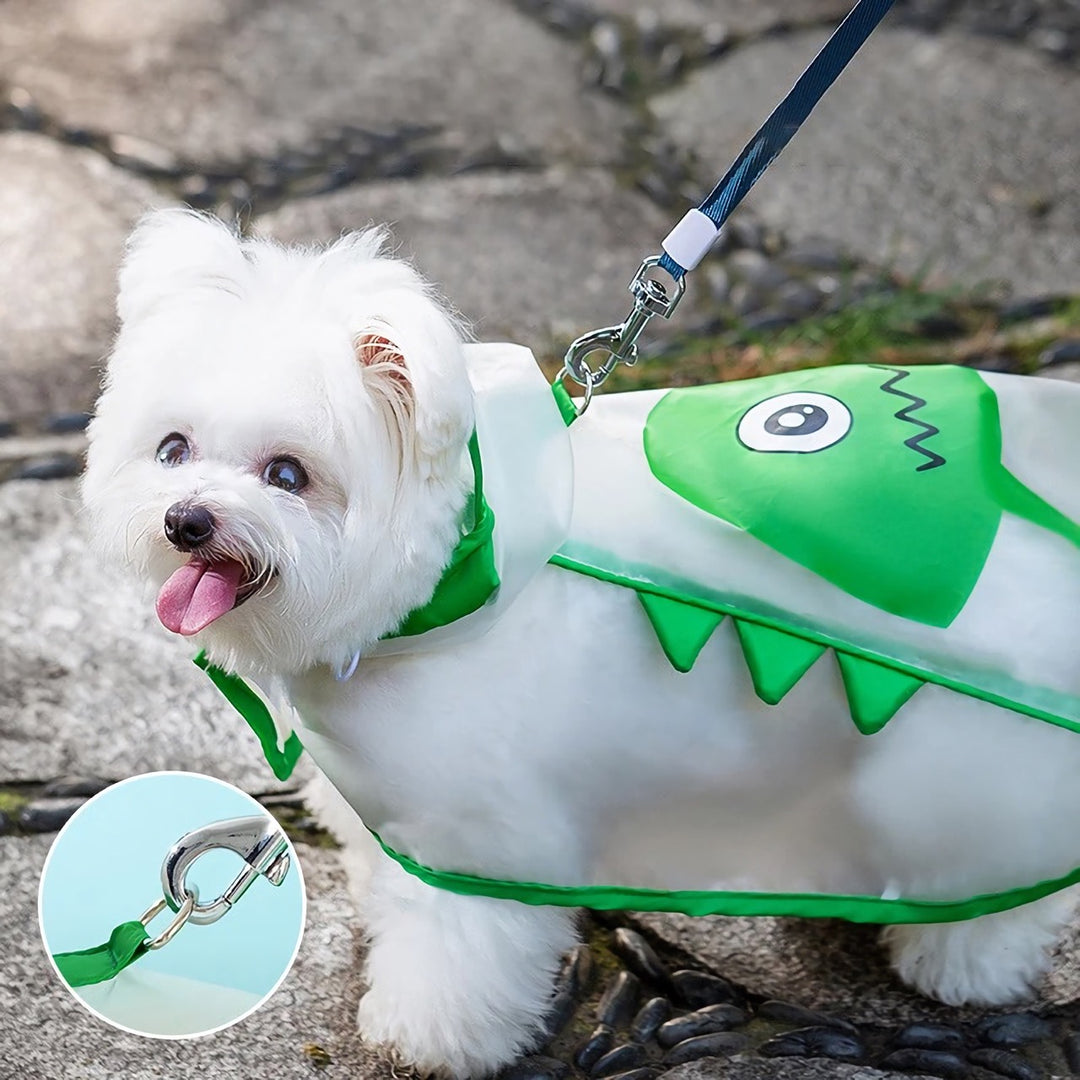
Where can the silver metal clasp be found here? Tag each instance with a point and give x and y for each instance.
(651, 298)
(258, 840)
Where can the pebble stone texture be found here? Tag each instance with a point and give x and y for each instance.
(528, 153)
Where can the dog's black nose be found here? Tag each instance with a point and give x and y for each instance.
(188, 527)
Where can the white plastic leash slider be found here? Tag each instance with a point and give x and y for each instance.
(690, 240)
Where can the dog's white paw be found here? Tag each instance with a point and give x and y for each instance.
(993, 960)
(427, 1037)
(460, 985)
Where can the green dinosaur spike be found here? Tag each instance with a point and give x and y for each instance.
(777, 661)
(874, 692)
(681, 628)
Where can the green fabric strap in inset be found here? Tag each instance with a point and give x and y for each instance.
(88, 966)
(251, 707)
(777, 661)
(682, 629)
(874, 693)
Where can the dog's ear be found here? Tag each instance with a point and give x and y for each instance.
(173, 251)
(388, 381)
(413, 365)
(374, 348)
(408, 347)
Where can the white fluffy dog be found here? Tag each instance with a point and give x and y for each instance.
(280, 449)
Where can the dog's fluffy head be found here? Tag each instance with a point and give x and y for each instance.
(335, 364)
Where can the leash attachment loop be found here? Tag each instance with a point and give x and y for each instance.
(258, 840)
(182, 916)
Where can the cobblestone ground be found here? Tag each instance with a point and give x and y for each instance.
(528, 153)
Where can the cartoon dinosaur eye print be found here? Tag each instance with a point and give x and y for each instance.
(797, 423)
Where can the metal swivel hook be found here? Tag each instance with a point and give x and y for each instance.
(620, 342)
(258, 840)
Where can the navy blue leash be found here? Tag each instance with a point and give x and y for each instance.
(787, 117)
(686, 244)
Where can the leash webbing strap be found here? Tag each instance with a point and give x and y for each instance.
(102, 962)
(686, 244)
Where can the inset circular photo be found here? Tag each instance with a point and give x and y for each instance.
(172, 905)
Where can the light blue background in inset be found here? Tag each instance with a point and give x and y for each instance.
(105, 869)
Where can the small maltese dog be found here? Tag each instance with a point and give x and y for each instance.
(282, 451)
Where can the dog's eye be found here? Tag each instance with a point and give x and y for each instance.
(287, 474)
(173, 450)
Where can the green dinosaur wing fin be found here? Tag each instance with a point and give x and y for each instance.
(777, 661)
(874, 693)
(682, 629)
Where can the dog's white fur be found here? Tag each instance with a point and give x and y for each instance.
(555, 746)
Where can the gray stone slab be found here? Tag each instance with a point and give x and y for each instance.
(524, 256)
(831, 966)
(48, 1035)
(1069, 372)
(218, 80)
(742, 17)
(90, 682)
(958, 154)
(66, 212)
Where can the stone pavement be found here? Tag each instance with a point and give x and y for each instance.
(885, 168)
(528, 154)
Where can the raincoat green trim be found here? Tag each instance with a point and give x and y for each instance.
(838, 645)
(866, 909)
(470, 578)
(860, 909)
(282, 760)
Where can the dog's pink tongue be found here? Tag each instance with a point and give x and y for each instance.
(197, 594)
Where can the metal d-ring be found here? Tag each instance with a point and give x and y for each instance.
(258, 840)
(587, 383)
(182, 916)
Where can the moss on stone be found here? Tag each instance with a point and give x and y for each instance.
(301, 827)
(11, 802)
